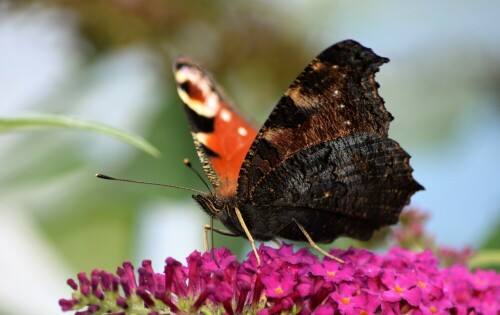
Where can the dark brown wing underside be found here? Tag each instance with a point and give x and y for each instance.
(335, 96)
(351, 186)
(360, 176)
(324, 158)
(326, 227)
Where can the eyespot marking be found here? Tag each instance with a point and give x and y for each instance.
(242, 131)
(225, 115)
(196, 91)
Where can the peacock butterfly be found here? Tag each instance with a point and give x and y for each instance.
(321, 166)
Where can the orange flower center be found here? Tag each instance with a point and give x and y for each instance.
(278, 290)
(346, 300)
(331, 273)
(433, 310)
(398, 289)
(363, 312)
(421, 284)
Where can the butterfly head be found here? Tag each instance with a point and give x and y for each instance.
(215, 206)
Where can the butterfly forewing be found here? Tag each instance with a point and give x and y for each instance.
(222, 136)
(334, 96)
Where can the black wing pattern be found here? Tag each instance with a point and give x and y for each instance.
(325, 148)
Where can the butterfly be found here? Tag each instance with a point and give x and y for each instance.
(321, 166)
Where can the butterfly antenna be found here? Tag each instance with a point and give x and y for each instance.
(102, 176)
(190, 166)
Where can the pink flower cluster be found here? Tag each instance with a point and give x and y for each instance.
(399, 282)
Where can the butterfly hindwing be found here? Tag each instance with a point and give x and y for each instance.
(222, 137)
(360, 179)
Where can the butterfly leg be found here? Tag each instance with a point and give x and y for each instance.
(209, 227)
(314, 245)
(247, 232)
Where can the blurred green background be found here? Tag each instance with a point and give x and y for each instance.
(109, 61)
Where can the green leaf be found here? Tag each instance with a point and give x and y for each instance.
(50, 121)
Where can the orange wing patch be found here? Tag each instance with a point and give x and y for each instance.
(222, 137)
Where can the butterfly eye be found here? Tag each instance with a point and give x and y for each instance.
(214, 209)
(216, 205)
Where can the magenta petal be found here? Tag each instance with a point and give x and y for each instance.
(317, 269)
(346, 289)
(388, 278)
(278, 286)
(370, 306)
(405, 282)
(325, 309)
(412, 296)
(72, 284)
(332, 265)
(286, 250)
(371, 270)
(346, 273)
(224, 292)
(263, 312)
(390, 296)
(390, 308)
(304, 289)
(67, 305)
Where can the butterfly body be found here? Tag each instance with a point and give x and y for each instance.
(322, 159)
